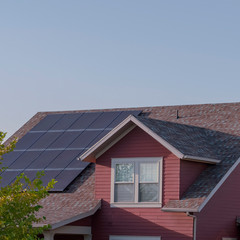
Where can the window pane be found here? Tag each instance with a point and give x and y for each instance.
(124, 172)
(148, 172)
(124, 192)
(148, 192)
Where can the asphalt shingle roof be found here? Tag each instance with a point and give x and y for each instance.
(221, 118)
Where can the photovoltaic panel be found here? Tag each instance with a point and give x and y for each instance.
(65, 139)
(100, 136)
(85, 120)
(8, 177)
(49, 175)
(26, 141)
(65, 178)
(84, 139)
(104, 120)
(43, 160)
(9, 158)
(47, 122)
(66, 121)
(45, 140)
(24, 160)
(77, 163)
(65, 158)
(56, 142)
(122, 116)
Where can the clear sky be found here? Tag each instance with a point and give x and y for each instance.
(75, 54)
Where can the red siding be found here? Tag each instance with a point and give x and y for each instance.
(218, 217)
(189, 171)
(82, 222)
(139, 221)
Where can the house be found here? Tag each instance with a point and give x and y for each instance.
(146, 173)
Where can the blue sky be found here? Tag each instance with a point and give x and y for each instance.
(66, 55)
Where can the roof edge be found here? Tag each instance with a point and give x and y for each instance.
(201, 159)
(179, 209)
(208, 198)
(77, 217)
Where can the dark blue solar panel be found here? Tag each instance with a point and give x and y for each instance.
(65, 139)
(104, 120)
(84, 139)
(25, 159)
(8, 177)
(62, 138)
(27, 140)
(77, 163)
(65, 158)
(65, 178)
(47, 122)
(43, 160)
(123, 116)
(45, 140)
(49, 175)
(85, 120)
(66, 121)
(9, 158)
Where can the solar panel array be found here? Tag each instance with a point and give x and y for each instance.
(54, 144)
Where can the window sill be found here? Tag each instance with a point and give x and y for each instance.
(135, 205)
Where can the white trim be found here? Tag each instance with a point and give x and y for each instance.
(219, 185)
(72, 230)
(166, 209)
(200, 159)
(124, 237)
(136, 204)
(77, 217)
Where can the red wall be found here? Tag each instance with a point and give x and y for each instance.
(189, 171)
(218, 218)
(139, 221)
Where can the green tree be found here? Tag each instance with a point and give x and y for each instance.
(19, 203)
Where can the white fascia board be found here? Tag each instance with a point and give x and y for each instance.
(219, 185)
(201, 159)
(95, 147)
(179, 209)
(77, 217)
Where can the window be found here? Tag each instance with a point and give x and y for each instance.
(136, 181)
(133, 238)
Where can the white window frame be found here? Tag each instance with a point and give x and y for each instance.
(139, 160)
(134, 238)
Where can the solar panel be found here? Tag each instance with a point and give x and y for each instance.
(43, 160)
(45, 140)
(9, 158)
(66, 121)
(85, 120)
(47, 122)
(8, 177)
(29, 139)
(65, 139)
(104, 120)
(54, 144)
(65, 178)
(65, 158)
(25, 160)
(84, 139)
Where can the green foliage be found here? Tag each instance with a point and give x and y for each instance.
(19, 204)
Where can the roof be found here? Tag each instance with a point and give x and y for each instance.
(187, 142)
(77, 203)
(223, 118)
